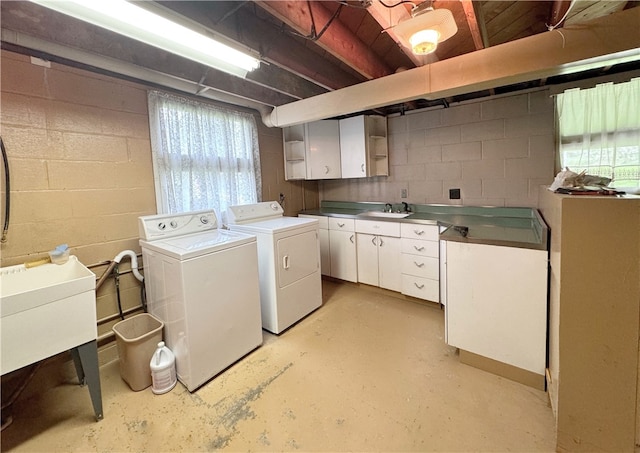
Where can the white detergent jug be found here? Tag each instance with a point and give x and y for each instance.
(163, 370)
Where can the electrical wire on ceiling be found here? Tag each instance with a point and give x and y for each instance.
(413, 4)
(313, 35)
(364, 4)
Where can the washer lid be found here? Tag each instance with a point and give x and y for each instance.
(277, 225)
(197, 244)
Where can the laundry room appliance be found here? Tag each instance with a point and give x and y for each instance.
(288, 261)
(202, 282)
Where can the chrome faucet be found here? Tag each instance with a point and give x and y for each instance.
(388, 207)
(405, 207)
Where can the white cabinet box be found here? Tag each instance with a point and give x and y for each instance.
(342, 243)
(420, 261)
(497, 304)
(364, 146)
(378, 246)
(294, 152)
(312, 150)
(323, 150)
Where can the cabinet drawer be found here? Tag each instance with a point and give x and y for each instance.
(419, 247)
(338, 223)
(378, 227)
(422, 288)
(419, 231)
(421, 266)
(322, 220)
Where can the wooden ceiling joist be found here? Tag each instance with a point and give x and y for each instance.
(337, 39)
(472, 22)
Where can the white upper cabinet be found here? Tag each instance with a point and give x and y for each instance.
(364, 147)
(294, 152)
(312, 150)
(323, 150)
(354, 147)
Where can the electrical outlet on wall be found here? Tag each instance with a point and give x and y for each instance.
(454, 194)
(403, 193)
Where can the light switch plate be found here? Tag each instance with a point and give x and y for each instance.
(403, 193)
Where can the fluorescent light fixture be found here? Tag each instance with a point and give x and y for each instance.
(143, 25)
(425, 29)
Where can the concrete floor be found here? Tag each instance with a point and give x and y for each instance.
(365, 372)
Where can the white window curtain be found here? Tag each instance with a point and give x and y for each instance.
(599, 131)
(204, 156)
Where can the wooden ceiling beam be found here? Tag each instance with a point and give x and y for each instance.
(337, 39)
(474, 26)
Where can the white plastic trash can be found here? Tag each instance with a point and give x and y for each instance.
(137, 338)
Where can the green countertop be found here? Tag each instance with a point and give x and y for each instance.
(511, 227)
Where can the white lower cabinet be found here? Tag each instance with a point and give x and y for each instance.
(379, 254)
(497, 303)
(420, 262)
(342, 244)
(323, 235)
(396, 256)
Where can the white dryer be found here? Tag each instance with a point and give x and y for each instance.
(288, 262)
(202, 282)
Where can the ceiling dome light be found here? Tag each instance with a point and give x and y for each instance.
(417, 33)
(424, 42)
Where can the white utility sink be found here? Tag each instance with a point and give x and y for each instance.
(45, 310)
(389, 215)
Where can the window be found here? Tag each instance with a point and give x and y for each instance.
(204, 156)
(599, 131)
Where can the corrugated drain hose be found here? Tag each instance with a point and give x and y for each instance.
(7, 180)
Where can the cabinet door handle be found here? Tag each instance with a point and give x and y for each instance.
(381, 243)
(419, 232)
(351, 239)
(340, 225)
(326, 170)
(418, 264)
(418, 286)
(419, 249)
(285, 262)
(362, 168)
(373, 240)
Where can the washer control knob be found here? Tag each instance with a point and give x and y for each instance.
(174, 224)
(274, 206)
(162, 226)
(204, 219)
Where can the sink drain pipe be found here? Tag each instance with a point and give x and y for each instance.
(113, 270)
(136, 273)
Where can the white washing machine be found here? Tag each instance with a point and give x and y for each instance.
(288, 262)
(202, 282)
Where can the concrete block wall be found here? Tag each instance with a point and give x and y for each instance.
(497, 151)
(80, 164)
(81, 173)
